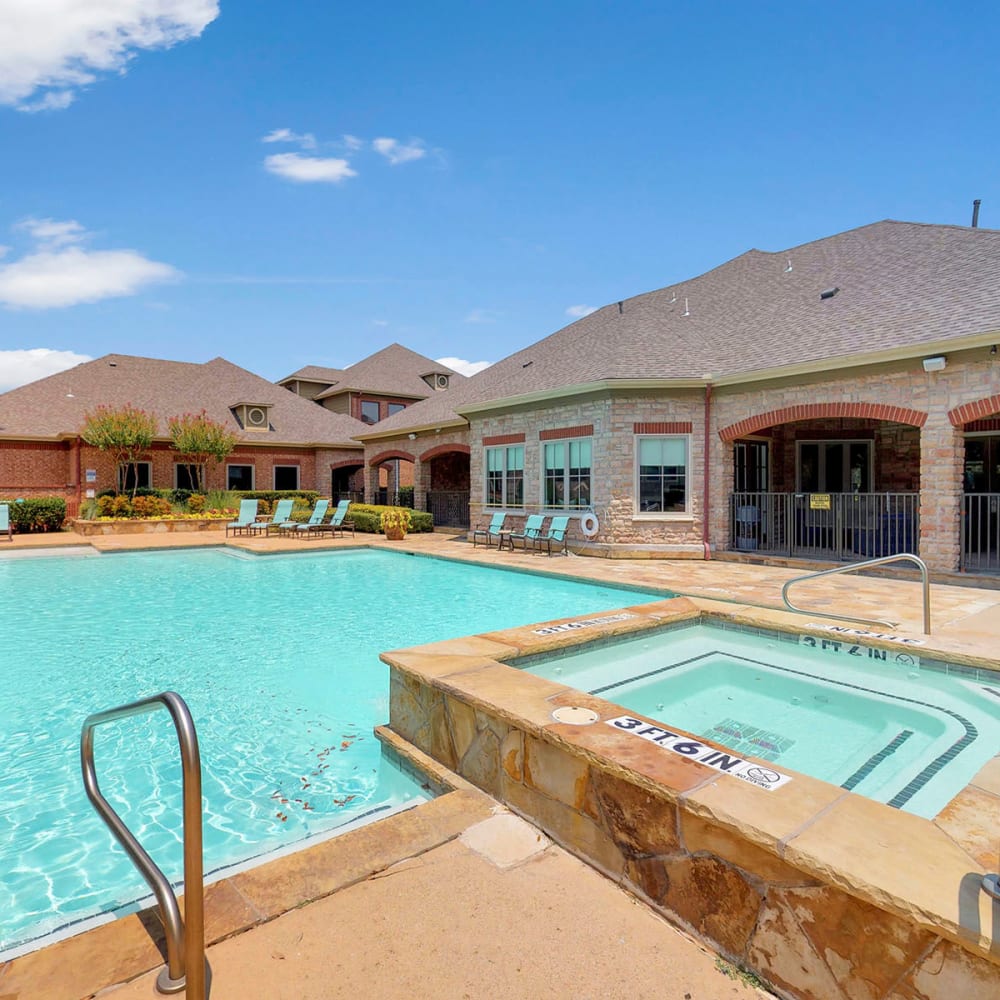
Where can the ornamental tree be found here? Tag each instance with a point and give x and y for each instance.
(126, 434)
(196, 437)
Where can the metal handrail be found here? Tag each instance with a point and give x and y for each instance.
(865, 565)
(186, 966)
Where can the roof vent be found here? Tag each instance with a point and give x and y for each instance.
(112, 364)
(526, 363)
(441, 381)
(828, 293)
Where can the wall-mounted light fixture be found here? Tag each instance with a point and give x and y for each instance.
(412, 436)
(937, 364)
(993, 351)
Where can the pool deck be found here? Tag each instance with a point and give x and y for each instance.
(459, 897)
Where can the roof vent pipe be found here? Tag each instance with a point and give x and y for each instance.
(620, 310)
(975, 213)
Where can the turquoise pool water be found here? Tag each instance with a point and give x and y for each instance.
(277, 658)
(876, 722)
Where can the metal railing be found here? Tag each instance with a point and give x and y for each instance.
(449, 508)
(981, 532)
(840, 526)
(899, 557)
(186, 968)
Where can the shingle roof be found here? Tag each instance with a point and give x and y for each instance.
(56, 405)
(393, 371)
(901, 285)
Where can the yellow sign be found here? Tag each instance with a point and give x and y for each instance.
(819, 501)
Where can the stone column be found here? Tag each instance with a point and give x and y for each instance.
(421, 483)
(942, 456)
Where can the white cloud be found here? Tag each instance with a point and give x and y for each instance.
(578, 311)
(58, 273)
(20, 367)
(304, 139)
(464, 367)
(305, 169)
(396, 152)
(353, 142)
(51, 48)
(482, 316)
(51, 234)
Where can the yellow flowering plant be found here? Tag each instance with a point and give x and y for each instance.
(395, 519)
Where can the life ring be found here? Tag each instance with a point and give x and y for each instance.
(589, 524)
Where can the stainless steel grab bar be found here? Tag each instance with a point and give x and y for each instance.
(865, 565)
(186, 966)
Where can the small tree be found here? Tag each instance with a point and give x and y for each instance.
(125, 434)
(197, 438)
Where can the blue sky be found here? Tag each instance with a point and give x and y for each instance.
(303, 182)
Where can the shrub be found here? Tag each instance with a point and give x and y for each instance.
(367, 517)
(36, 514)
(196, 503)
(151, 507)
(114, 505)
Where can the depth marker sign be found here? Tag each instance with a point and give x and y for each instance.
(688, 746)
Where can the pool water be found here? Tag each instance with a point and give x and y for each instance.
(277, 658)
(885, 728)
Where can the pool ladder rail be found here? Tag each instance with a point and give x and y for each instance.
(867, 564)
(187, 968)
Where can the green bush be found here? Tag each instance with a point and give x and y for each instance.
(34, 514)
(367, 517)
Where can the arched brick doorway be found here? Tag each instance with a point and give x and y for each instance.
(836, 481)
(445, 473)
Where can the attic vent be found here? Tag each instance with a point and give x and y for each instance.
(441, 381)
(256, 417)
(828, 293)
(253, 416)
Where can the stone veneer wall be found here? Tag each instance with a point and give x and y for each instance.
(673, 835)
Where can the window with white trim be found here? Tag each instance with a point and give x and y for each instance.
(566, 473)
(239, 477)
(662, 474)
(188, 476)
(505, 476)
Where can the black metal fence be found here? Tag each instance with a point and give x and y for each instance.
(848, 527)
(401, 498)
(449, 508)
(355, 496)
(981, 532)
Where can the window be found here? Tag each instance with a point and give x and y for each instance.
(505, 477)
(369, 411)
(239, 477)
(662, 473)
(396, 408)
(188, 477)
(136, 476)
(567, 474)
(834, 466)
(286, 477)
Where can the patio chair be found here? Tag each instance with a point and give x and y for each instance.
(280, 517)
(339, 522)
(532, 530)
(315, 519)
(246, 517)
(5, 525)
(492, 531)
(557, 534)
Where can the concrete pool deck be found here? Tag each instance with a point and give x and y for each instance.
(512, 915)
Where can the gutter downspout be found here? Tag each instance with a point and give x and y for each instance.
(706, 506)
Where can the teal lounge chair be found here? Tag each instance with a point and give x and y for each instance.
(246, 517)
(532, 530)
(557, 534)
(5, 526)
(280, 517)
(315, 518)
(492, 532)
(338, 522)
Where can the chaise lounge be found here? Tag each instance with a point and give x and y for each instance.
(315, 523)
(339, 521)
(5, 525)
(246, 517)
(282, 512)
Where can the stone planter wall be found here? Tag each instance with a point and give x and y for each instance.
(153, 526)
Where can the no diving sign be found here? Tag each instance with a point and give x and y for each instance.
(687, 746)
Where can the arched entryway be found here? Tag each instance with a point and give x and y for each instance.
(347, 482)
(836, 481)
(444, 474)
(391, 479)
(980, 425)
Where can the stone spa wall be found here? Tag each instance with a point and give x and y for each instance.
(822, 893)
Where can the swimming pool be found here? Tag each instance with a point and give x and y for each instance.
(277, 657)
(878, 722)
